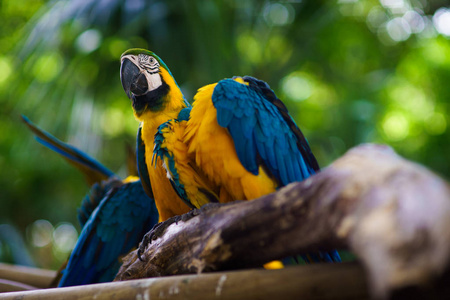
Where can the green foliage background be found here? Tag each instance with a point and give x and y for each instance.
(349, 71)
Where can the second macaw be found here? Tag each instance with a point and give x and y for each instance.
(114, 216)
(237, 142)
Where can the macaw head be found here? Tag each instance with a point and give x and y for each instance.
(147, 81)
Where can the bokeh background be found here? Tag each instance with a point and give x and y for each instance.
(349, 71)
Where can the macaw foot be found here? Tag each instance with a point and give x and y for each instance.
(159, 229)
(156, 232)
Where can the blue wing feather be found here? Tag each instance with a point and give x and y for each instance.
(260, 144)
(94, 196)
(71, 153)
(116, 226)
(100, 177)
(225, 114)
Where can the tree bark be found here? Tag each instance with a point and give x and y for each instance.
(394, 215)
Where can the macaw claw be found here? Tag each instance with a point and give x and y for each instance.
(156, 232)
(159, 229)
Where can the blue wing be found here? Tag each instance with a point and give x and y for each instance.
(264, 133)
(262, 130)
(115, 227)
(92, 169)
(97, 192)
(98, 176)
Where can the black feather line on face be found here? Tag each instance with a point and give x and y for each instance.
(153, 100)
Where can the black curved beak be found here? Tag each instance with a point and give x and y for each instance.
(133, 81)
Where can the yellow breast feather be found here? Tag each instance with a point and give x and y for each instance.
(199, 190)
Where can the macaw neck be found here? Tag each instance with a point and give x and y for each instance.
(171, 104)
(152, 119)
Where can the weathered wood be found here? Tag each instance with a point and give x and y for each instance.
(393, 214)
(34, 277)
(343, 281)
(13, 286)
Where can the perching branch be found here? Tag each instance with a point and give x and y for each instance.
(315, 282)
(13, 286)
(30, 277)
(393, 214)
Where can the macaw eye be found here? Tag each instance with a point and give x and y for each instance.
(147, 61)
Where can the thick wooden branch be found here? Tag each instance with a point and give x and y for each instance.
(393, 214)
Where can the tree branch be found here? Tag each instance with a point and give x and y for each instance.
(34, 277)
(393, 214)
(317, 282)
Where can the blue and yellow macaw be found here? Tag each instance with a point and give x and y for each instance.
(237, 142)
(156, 99)
(114, 216)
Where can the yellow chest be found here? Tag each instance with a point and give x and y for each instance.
(167, 201)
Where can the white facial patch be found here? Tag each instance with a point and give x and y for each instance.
(149, 66)
(154, 81)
